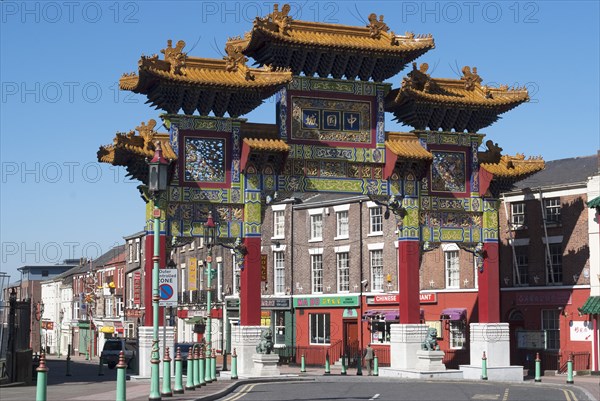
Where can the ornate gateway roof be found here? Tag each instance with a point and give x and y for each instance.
(130, 150)
(203, 84)
(370, 52)
(450, 104)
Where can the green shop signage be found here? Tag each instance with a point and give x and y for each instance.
(323, 302)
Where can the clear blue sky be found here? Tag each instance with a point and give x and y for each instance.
(61, 61)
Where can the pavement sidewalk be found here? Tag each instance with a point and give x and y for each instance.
(85, 383)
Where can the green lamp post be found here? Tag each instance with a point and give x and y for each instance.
(210, 240)
(158, 169)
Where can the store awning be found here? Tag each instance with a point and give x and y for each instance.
(107, 329)
(591, 306)
(594, 203)
(385, 314)
(454, 314)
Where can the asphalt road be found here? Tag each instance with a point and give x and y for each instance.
(349, 388)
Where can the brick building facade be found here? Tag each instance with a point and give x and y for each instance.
(545, 265)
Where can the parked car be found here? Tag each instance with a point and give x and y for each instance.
(111, 350)
(185, 349)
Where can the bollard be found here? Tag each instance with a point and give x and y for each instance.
(200, 373)
(538, 368)
(302, 365)
(42, 379)
(327, 367)
(234, 375)
(224, 366)
(570, 369)
(484, 367)
(178, 388)
(189, 382)
(359, 368)
(198, 364)
(213, 366)
(343, 364)
(375, 364)
(69, 362)
(121, 378)
(166, 388)
(100, 367)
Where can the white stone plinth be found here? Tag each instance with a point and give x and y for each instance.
(145, 335)
(265, 365)
(405, 342)
(494, 340)
(430, 361)
(245, 339)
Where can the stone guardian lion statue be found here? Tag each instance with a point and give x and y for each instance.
(430, 343)
(265, 346)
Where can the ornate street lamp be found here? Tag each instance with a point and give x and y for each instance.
(158, 169)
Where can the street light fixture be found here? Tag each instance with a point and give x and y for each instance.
(158, 169)
(210, 239)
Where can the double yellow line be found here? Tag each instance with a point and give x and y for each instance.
(569, 395)
(245, 389)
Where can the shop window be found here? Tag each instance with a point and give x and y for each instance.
(320, 328)
(279, 264)
(522, 265)
(380, 331)
(376, 220)
(551, 325)
(279, 327)
(376, 257)
(343, 268)
(554, 268)
(517, 217)
(552, 209)
(451, 266)
(457, 334)
(316, 262)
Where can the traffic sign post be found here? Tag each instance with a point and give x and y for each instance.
(167, 287)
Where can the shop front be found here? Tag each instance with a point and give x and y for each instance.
(326, 325)
(548, 322)
(276, 313)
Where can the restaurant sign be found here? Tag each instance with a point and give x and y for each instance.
(275, 303)
(544, 298)
(425, 298)
(326, 301)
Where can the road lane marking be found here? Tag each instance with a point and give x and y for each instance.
(376, 396)
(569, 395)
(485, 397)
(505, 398)
(245, 389)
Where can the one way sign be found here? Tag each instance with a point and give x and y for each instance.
(167, 287)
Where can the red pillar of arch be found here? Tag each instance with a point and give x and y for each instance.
(489, 285)
(250, 284)
(147, 279)
(408, 275)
